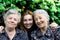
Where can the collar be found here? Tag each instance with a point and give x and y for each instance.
(47, 34)
(18, 31)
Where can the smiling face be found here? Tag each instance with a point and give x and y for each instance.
(28, 21)
(40, 20)
(11, 21)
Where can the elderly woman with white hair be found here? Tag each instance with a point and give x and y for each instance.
(41, 18)
(11, 32)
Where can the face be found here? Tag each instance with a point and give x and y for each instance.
(40, 20)
(11, 21)
(53, 25)
(28, 21)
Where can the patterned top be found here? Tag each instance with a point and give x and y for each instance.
(37, 35)
(20, 35)
(57, 34)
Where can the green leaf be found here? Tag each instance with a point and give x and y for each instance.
(37, 1)
(55, 17)
(52, 18)
(31, 6)
(50, 1)
(18, 0)
(46, 7)
(18, 9)
(58, 9)
(2, 7)
(41, 6)
(0, 0)
(58, 21)
(23, 3)
(53, 8)
(59, 15)
(7, 2)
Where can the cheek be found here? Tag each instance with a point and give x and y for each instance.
(16, 23)
(31, 21)
(46, 21)
(35, 22)
(24, 22)
(6, 22)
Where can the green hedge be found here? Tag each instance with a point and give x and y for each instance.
(51, 6)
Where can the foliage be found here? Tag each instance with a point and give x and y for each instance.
(51, 6)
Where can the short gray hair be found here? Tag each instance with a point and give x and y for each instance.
(41, 11)
(12, 11)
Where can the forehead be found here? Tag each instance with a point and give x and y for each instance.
(27, 16)
(13, 15)
(39, 15)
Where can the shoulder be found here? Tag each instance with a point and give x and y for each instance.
(33, 33)
(22, 34)
(21, 31)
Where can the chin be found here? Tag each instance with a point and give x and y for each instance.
(28, 28)
(41, 27)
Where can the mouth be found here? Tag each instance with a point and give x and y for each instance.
(11, 24)
(28, 25)
(40, 23)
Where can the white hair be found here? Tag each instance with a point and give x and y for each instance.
(12, 11)
(41, 11)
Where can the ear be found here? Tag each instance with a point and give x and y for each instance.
(4, 21)
(47, 20)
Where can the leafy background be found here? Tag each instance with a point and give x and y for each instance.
(51, 6)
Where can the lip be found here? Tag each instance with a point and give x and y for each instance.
(27, 25)
(39, 23)
(11, 24)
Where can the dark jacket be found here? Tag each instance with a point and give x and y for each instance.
(37, 35)
(20, 35)
(57, 34)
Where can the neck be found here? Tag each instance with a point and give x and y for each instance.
(11, 33)
(43, 30)
(29, 30)
(9, 29)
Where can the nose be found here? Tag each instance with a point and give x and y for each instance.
(27, 22)
(12, 21)
(38, 20)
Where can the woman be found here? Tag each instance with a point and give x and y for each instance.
(41, 18)
(27, 22)
(10, 32)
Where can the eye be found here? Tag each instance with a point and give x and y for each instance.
(40, 17)
(24, 20)
(10, 18)
(30, 19)
(15, 19)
